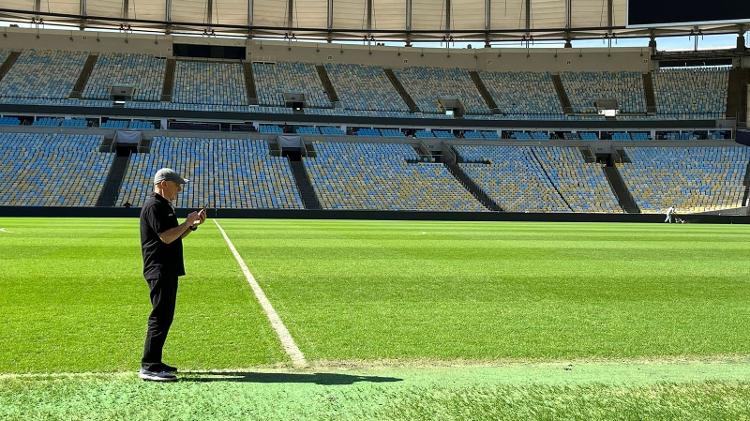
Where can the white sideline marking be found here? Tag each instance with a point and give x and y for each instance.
(3, 230)
(291, 348)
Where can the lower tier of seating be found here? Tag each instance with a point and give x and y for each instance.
(377, 176)
(690, 179)
(223, 173)
(51, 169)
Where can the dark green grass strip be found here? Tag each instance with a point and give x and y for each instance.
(601, 391)
(73, 299)
(351, 290)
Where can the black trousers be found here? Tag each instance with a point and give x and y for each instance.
(163, 298)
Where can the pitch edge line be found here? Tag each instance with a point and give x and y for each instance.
(287, 342)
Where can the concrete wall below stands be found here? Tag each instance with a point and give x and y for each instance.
(20, 211)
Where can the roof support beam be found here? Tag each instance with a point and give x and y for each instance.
(82, 11)
(329, 20)
(290, 14)
(487, 15)
(487, 22)
(568, 13)
(610, 7)
(250, 5)
(528, 14)
(210, 12)
(447, 15)
(126, 9)
(408, 15)
(168, 11)
(368, 9)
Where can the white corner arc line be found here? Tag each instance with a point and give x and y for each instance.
(287, 342)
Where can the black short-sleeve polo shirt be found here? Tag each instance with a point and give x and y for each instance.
(157, 216)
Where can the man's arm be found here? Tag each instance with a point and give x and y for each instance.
(186, 233)
(173, 234)
(202, 216)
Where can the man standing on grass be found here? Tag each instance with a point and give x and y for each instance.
(161, 246)
(670, 215)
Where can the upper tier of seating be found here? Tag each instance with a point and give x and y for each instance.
(691, 93)
(364, 88)
(513, 178)
(223, 173)
(51, 169)
(47, 78)
(692, 179)
(201, 82)
(585, 88)
(143, 72)
(43, 74)
(426, 85)
(273, 80)
(377, 176)
(523, 93)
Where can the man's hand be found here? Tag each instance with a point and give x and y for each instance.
(194, 218)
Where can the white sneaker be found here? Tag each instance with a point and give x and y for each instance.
(157, 376)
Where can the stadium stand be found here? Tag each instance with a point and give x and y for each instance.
(473, 134)
(391, 133)
(331, 131)
(272, 80)
(589, 136)
(223, 173)
(514, 178)
(692, 179)
(424, 134)
(74, 122)
(270, 129)
(47, 122)
(51, 169)
(115, 124)
(583, 185)
(621, 136)
(46, 74)
(377, 176)
(141, 125)
(143, 72)
(428, 84)
(523, 95)
(10, 121)
(366, 131)
(584, 88)
(691, 93)
(202, 82)
(443, 134)
(365, 88)
(307, 130)
(521, 136)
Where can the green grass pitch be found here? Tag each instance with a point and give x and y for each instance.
(398, 319)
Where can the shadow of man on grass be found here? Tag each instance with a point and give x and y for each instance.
(253, 377)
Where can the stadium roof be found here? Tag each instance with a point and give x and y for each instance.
(402, 20)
